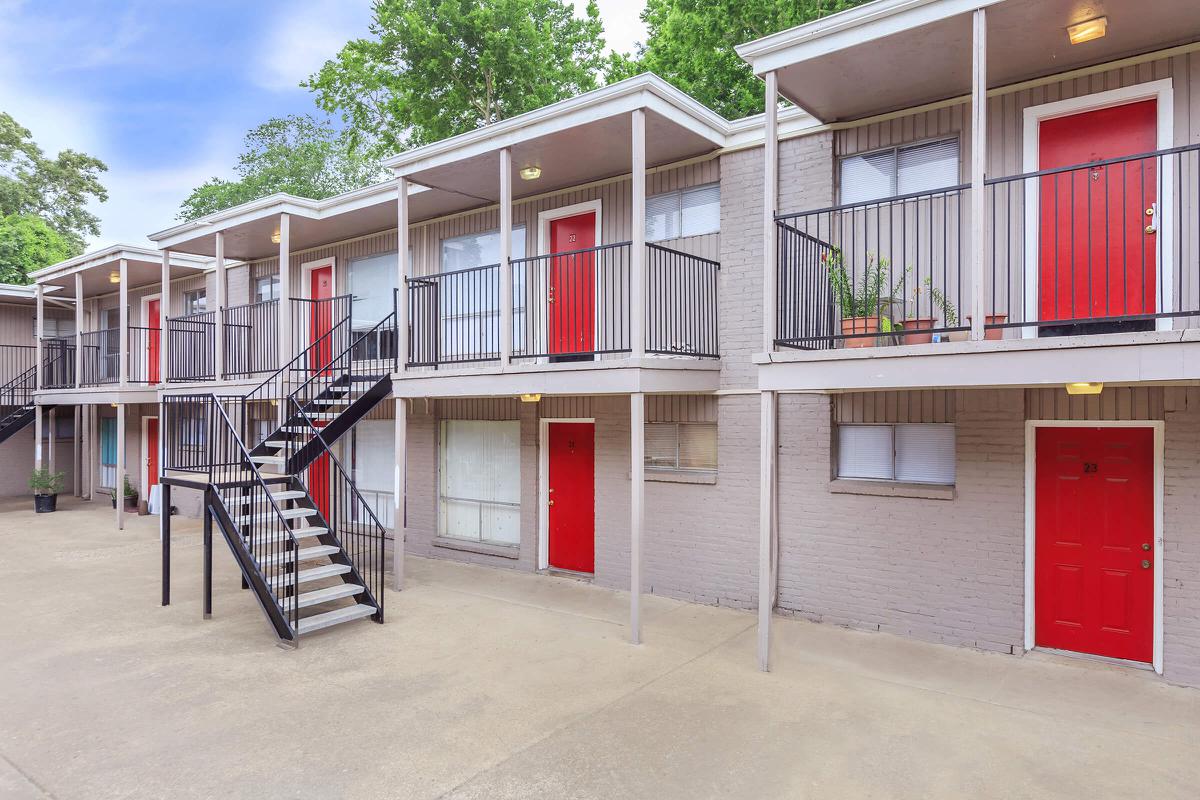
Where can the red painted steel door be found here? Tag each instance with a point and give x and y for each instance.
(1094, 541)
(321, 319)
(151, 454)
(1096, 258)
(572, 500)
(571, 301)
(154, 323)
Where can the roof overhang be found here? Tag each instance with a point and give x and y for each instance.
(143, 264)
(575, 141)
(895, 54)
(21, 294)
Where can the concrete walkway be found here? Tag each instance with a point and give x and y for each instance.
(492, 684)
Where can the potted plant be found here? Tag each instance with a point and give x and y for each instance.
(992, 319)
(131, 496)
(865, 308)
(916, 329)
(45, 486)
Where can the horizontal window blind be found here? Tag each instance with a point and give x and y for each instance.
(662, 440)
(928, 166)
(662, 217)
(868, 177)
(701, 210)
(698, 446)
(925, 453)
(865, 451)
(480, 480)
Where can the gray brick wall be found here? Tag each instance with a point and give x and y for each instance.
(1181, 551)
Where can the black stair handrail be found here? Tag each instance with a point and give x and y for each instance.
(345, 357)
(23, 384)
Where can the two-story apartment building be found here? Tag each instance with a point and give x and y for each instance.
(911, 354)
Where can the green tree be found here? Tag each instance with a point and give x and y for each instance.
(28, 243)
(690, 43)
(300, 155)
(436, 68)
(55, 190)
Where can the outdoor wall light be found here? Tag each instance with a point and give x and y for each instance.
(1087, 30)
(530, 398)
(114, 276)
(531, 173)
(275, 236)
(1084, 387)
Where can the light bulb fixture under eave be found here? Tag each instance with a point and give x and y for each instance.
(114, 276)
(276, 236)
(1087, 30)
(531, 173)
(1085, 387)
(531, 398)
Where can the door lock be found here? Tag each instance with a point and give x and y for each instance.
(551, 502)
(1145, 545)
(1145, 564)
(1152, 213)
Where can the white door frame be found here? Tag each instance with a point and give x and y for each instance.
(1031, 427)
(1160, 91)
(306, 270)
(544, 220)
(144, 486)
(544, 482)
(144, 319)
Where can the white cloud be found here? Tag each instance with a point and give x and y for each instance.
(304, 35)
(623, 26)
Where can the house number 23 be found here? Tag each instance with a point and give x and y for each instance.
(1089, 466)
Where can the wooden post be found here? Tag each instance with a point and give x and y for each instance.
(770, 204)
(78, 331)
(978, 172)
(123, 334)
(164, 318)
(285, 290)
(399, 486)
(222, 301)
(402, 246)
(637, 257)
(506, 288)
(637, 472)
(766, 525)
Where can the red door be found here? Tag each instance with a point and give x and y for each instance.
(1096, 258)
(154, 323)
(571, 301)
(151, 454)
(572, 484)
(321, 319)
(1094, 541)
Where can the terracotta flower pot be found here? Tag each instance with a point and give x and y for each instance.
(992, 319)
(916, 330)
(858, 328)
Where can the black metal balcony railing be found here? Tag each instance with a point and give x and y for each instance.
(101, 357)
(193, 343)
(681, 307)
(1108, 246)
(325, 320)
(251, 339)
(15, 361)
(58, 363)
(454, 317)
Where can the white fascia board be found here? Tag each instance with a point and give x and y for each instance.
(751, 131)
(642, 91)
(113, 254)
(846, 29)
(238, 215)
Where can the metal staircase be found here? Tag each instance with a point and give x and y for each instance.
(308, 544)
(16, 404)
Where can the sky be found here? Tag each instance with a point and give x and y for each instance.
(164, 91)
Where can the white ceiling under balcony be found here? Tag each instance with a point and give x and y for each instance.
(896, 54)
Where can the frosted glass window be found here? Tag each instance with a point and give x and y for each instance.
(921, 167)
(908, 453)
(480, 481)
(372, 281)
(373, 465)
(686, 212)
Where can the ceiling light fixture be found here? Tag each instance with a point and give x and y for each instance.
(276, 236)
(531, 173)
(114, 277)
(1085, 387)
(530, 398)
(1087, 30)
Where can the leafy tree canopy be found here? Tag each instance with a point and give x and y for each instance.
(436, 68)
(690, 43)
(300, 155)
(43, 202)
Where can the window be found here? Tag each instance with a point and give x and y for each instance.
(906, 453)
(55, 328)
(372, 465)
(899, 170)
(372, 284)
(468, 310)
(194, 302)
(687, 212)
(108, 452)
(266, 288)
(479, 249)
(479, 481)
(681, 446)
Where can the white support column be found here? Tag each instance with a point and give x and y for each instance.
(77, 454)
(978, 172)
(506, 294)
(222, 301)
(770, 205)
(78, 332)
(120, 481)
(90, 449)
(51, 438)
(123, 334)
(637, 522)
(637, 258)
(399, 484)
(164, 316)
(767, 547)
(285, 289)
(402, 246)
(37, 437)
(40, 321)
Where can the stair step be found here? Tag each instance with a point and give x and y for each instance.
(296, 429)
(277, 444)
(305, 553)
(323, 415)
(314, 574)
(320, 401)
(298, 533)
(335, 617)
(268, 459)
(287, 513)
(318, 596)
(280, 497)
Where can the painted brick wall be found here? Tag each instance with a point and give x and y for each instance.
(1181, 552)
(942, 570)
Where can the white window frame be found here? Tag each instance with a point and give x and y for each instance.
(895, 177)
(481, 541)
(189, 298)
(272, 280)
(837, 474)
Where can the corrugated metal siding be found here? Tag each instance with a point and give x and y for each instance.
(566, 408)
(485, 408)
(17, 323)
(933, 405)
(681, 408)
(1114, 403)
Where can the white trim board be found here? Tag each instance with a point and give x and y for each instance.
(306, 270)
(544, 218)
(1159, 428)
(1162, 92)
(544, 483)
(144, 456)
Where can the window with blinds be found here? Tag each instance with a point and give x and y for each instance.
(906, 453)
(479, 479)
(921, 167)
(688, 446)
(686, 212)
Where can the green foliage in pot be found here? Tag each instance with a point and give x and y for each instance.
(44, 482)
(937, 300)
(873, 296)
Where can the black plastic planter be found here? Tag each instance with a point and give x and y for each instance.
(45, 503)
